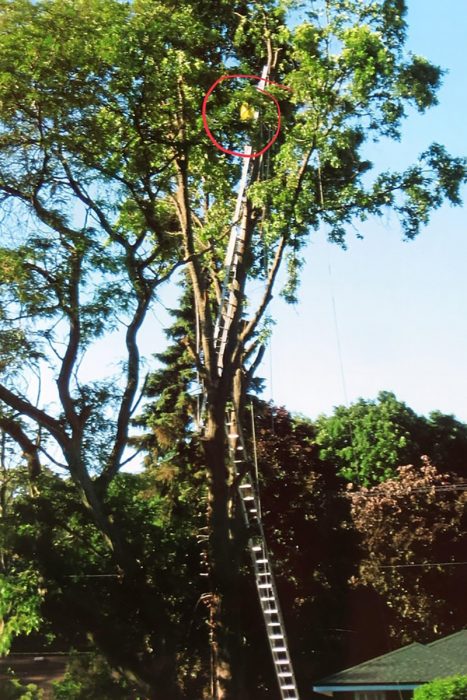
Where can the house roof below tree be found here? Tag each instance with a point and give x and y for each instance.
(403, 669)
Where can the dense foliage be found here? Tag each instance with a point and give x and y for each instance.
(368, 440)
(453, 688)
(338, 555)
(413, 529)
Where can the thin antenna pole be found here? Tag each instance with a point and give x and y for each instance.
(271, 385)
(338, 340)
(198, 377)
(255, 456)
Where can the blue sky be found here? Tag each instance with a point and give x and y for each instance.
(400, 306)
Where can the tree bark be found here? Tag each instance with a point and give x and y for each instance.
(225, 555)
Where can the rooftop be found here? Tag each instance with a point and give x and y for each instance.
(412, 664)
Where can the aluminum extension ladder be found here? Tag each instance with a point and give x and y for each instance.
(260, 557)
(263, 570)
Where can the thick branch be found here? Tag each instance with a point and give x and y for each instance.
(195, 272)
(71, 353)
(29, 448)
(129, 394)
(53, 426)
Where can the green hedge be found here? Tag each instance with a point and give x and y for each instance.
(89, 677)
(452, 688)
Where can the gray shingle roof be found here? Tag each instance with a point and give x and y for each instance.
(415, 663)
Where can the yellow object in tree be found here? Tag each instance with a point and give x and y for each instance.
(247, 112)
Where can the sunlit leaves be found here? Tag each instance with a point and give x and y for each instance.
(20, 598)
(450, 688)
(368, 440)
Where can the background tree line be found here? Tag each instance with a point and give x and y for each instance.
(343, 552)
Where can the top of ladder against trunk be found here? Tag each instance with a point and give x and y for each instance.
(233, 254)
(262, 564)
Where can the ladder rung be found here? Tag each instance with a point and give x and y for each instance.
(285, 674)
(248, 498)
(288, 687)
(276, 636)
(264, 585)
(273, 611)
(276, 649)
(273, 624)
(244, 486)
(265, 600)
(257, 548)
(262, 561)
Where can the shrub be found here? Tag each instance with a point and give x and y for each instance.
(91, 677)
(14, 690)
(452, 688)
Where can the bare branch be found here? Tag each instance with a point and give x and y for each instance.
(131, 458)
(256, 363)
(253, 323)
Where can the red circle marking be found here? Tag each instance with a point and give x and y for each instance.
(205, 120)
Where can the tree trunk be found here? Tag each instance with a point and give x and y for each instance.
(226, 633)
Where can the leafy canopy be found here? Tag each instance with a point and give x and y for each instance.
(366, 441)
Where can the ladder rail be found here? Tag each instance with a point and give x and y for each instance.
(263, 570)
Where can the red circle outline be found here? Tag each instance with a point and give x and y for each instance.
(231, 77)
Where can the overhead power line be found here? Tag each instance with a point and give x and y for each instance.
(425, 564)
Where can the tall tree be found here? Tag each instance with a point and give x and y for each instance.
(112, 184)
(351, 81)
(89, 234)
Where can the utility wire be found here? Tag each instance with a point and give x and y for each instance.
(429, 564)
(93, 576)
(421, 489)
